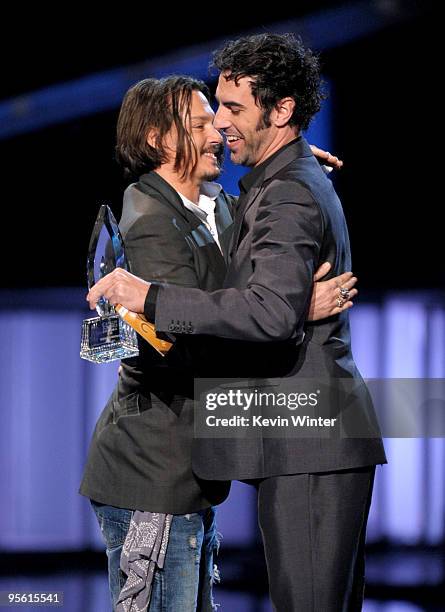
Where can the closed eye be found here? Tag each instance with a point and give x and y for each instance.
(234, 107)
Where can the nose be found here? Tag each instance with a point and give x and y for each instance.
(221, 121)
(216, 136)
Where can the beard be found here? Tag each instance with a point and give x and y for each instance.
(249, 156)
(212, 176)
(218, 151)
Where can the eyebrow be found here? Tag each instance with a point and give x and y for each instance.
(201, 117)
(229, 103)
(237, 104)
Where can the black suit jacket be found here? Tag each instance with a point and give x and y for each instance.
(140, 454)
(291, 221)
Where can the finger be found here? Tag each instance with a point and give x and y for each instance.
(91, 303)
(348, 286)
(94, 295)
(338, 309)
(319, 152)
(322, 271)
(105, 283)
(350, 283)
(114, 295)
(99, 286)
(334, 161)
(102, 287)
(343, 278)
(121, 273)
(93, 298)
(353, 293)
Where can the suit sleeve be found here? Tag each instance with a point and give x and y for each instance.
(286, 242)
(157, 251)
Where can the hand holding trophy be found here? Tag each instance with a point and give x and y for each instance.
(112, 335)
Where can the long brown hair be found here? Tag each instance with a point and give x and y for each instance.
(156, 105)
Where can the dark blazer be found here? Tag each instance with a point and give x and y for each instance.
(290, 222)
(140, 454)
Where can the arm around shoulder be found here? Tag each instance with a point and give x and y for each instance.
(286, 241)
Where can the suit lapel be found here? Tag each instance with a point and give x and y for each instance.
(243, 205)
(224, 224)
(166, 193)
(193, 225)
(281, 159)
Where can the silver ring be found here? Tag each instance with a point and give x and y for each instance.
(344, 293)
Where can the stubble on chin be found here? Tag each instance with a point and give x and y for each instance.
(211, 176)
(238, 159)
(242, 160)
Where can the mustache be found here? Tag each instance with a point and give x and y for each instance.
(218, 151)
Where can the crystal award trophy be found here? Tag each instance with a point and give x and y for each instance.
(112, 335)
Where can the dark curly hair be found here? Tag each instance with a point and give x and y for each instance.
(156, 104)
(280, 66)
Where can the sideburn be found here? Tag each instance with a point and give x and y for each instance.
(263, 121)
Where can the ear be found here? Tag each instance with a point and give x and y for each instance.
(152, 135)
(282, 112)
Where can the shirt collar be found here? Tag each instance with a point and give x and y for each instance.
(211, 190)
(208, 190)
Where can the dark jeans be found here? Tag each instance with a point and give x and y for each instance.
(185, 582)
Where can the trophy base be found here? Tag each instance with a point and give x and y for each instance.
(106, 339)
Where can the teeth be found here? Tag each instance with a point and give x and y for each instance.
(232, 138)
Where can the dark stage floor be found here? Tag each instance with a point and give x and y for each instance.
(404, 580)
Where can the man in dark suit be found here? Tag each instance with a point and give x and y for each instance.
(176, 225)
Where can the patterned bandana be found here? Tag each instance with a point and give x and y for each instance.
(143, 551)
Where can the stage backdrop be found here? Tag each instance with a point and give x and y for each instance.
(50, 400)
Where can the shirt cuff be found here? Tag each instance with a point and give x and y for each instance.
(150, 303)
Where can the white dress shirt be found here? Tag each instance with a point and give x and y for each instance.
(205, 209)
